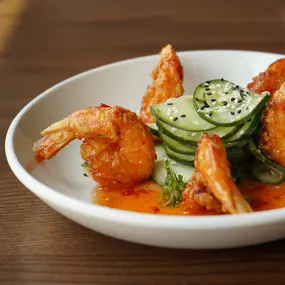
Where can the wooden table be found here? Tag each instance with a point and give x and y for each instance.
(44, 42)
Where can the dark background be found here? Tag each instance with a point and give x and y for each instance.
(51, 40)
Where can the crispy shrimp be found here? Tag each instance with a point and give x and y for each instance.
(270, 80)
(117, 145)
(272, 139)
(212, 185)
(167, 82)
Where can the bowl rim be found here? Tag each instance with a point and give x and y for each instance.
(49, 194)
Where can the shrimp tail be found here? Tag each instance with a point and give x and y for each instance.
(55, 138)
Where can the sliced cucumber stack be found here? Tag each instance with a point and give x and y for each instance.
(177, 145)
(217, 106)
(180, 113)
(223, 103)
(274, 172)
(159, 172)
(186, 159)
(193, 137)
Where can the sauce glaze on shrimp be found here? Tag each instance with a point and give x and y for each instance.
(167, 82)
(117, 145)
(270, 80)
(213, 184)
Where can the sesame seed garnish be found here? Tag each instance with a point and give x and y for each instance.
(237, 86)
(85, 174)
(239, 111)
(233, 99)
(183, 116)
(239, 101)
(209, 93)
(197, 99)
(207, 89)
(169, 103)
(232, 113)
(226, 93)
(175, 118)
(208, 82)
(222, 79)
(233, 88)
(210, 114)
(249, 120)
(213, 100)
(224, 103)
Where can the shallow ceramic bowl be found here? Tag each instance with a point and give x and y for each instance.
(60, 182)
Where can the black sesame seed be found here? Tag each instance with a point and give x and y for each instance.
(169, 103)
(237, 86)
(208, 82)
(233, 99)
(175, 118)
(226, 93)
(197, 99)
(239, 101)
(209, 93)
(85, 174)
(224, 103)
(202, 108)
(249, 120)
(232, 113)
(213, 100)
(222, 79)
(183, 116)
(206, 105)
(210, 114)
(239, 111)
(207, 89)
(233, 88)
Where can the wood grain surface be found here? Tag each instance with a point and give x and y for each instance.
(44, 42)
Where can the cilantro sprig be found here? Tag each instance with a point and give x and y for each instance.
(173, 187)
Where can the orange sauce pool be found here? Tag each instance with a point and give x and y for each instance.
(145, 198)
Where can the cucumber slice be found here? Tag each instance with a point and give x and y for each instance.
(224, 103)
(177, 146)
(180, 113)
(261, 157)
(159, 172)
(153, 129)
(186, 159)
(266, 174)
(247, 130)
(160, 152)
(193, 137)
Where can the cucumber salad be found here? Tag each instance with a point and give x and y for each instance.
(217, 106)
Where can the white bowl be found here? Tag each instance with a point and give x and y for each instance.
(60, 182)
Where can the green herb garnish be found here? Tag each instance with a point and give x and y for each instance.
(247, 198)
(84, 164)
(173, 187)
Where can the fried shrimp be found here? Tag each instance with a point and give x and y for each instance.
(212, 185)
(270, 80)
(117, 145)
(272, 139)
(167, 82)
